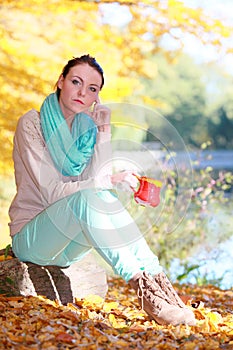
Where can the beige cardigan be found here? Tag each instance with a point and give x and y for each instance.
(38, 182)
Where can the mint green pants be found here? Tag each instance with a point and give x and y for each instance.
(68, 229)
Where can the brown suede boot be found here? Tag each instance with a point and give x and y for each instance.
(152, 301)
(168, 289)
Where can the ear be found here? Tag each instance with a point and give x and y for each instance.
(60, 81)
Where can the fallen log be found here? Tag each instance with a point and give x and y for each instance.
(63, 284)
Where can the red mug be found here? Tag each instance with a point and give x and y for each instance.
(148, 193)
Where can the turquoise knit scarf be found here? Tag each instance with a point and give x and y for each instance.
(72, 150)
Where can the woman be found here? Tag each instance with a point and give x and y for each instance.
(64, 206)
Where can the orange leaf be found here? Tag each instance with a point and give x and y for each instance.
(64, 337)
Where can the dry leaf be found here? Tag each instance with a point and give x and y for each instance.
(115, 323)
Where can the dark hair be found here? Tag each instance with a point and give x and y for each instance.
(81, 60)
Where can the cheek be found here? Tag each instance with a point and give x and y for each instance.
(66, 91)
(92, 99)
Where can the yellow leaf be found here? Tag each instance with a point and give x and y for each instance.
(93, 300)
(112, 320)
(110, 306)
(214, 317)
(122, 343)
(115, 323)
(3, 257)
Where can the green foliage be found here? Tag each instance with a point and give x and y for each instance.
(7, 249)
(181, 92)
(35, 45)
(198, 277)
(187, 269)
(193, 233)
(221, 132)
(195, 99)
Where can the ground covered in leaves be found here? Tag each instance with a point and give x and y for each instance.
(114, 323)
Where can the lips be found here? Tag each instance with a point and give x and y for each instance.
(79, 101)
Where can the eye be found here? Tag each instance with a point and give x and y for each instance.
(93, 89)
(76, 82)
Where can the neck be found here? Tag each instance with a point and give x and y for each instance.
(69, 121)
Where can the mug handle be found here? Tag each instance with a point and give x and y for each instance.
(139, 178)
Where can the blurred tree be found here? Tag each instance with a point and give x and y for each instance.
(221, 131)
(38, 36)
(196, 99)
(181, 96)
(220, 111)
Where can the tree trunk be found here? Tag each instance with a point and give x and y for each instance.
(64, 284)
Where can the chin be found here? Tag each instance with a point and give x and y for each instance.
(80, 109)
(77, 110)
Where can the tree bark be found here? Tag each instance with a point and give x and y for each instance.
(63, 284)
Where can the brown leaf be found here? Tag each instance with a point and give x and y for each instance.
(64, 337)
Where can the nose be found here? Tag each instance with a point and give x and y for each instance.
(82, 90)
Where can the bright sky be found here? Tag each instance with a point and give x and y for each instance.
(222, 9)
(216, 8)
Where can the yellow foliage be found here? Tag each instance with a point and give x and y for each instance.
(3, 258)
(116, 323)
(39, 36)
(108, 306)
(94, 300)
(32, 322)
(152, 102)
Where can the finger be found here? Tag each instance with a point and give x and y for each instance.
(96, 103)
(97, 99)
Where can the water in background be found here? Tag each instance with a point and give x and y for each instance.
(216, 259)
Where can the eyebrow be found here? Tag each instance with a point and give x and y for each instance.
(76, 76)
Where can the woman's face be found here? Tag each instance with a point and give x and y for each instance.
(79, 89)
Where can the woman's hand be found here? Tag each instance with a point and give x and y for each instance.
(101, 115)
(125, 177)
(124, 181)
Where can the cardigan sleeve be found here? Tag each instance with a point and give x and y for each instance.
(35, 162)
